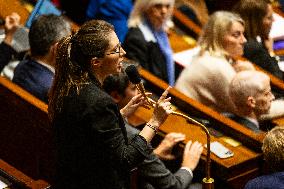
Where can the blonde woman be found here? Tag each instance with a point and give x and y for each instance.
(208, 77)
(147, 42)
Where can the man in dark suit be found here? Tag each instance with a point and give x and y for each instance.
(251, 94)
(273, 148)
(152, 173)
(35, 74)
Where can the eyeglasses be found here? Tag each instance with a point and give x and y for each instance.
(116, 50)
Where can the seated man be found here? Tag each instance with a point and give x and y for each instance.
(273, 151)
(251, 94)
(152, 172)
(8, 50)
(36, 73)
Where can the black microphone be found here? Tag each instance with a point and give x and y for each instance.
(135, 78)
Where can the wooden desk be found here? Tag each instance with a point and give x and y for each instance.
(197, 109)
(235, 171)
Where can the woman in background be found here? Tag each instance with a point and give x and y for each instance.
(147, 42)
(258, 17)
(208, 77)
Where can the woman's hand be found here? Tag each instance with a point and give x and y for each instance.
(132, 105)
(164, 150)
(161, 110)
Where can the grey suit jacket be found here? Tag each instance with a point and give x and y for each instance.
(152, 173)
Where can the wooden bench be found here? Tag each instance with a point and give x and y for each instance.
(25, 138)
(18, 180)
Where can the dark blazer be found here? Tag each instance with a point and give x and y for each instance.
(271, 181)
(6, 54)
(258, 54)
(264, 125)
(147, 54)
(34, 77)
(92, 147)
(241, 120)
(152, 173)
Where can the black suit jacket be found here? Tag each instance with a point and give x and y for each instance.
(243, 121)
(263, 125)
(258, 54)
(6, 54)
(92, 147)
(147, 54)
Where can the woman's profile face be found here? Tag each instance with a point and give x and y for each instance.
(158, 14)
(233, 41)
(267, 20)
(111, 62)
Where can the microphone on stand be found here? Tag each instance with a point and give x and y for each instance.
(134, 77)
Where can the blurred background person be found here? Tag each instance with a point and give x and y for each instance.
(258, 17)
(115, 12)
(273, 148)
(35, 73)
(12, 22)
(90, 135)
(152, 173)
(8, 51)
(251, 94)
(196, 10)
(208, 77)
(75, 10)
(147, 41)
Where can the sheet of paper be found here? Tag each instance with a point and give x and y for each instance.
(277, 30)
(2, 185)
(184, 58)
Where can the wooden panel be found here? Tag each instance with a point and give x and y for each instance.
(25, 138)
(19, 179)
(229, 170)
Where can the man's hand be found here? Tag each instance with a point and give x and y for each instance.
(191, 154)
(164, 150)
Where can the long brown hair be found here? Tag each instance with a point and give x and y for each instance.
(73, 57)
(253, 12)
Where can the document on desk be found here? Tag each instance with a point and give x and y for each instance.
(277, 31)
(184, 58)
(3, 185)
